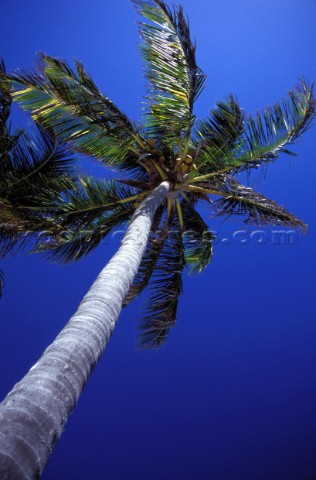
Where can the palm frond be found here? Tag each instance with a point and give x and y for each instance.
(166, 287)
(174, 79)
(71, 105)
(258, 210)
(19, 227)
(86, 198)
(266, 135)
(35, 164)
(72, 244)
(87, 212)
(218, 136)
(197, 239)
(33, 167)
(32, 174)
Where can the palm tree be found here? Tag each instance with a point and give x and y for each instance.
(173, 161)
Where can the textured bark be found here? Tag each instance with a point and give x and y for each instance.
(33, 415)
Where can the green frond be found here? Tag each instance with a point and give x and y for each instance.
(265, 135)
(33, 167)
(86, 198)
(78, 113)
(133, 169)
(197, 239)
(166, 287)
(35, 164)
(218, 136)
(174, 80)
(32, 174)
(18, 228)
(71, 244)
(86, 213)
(258, 210)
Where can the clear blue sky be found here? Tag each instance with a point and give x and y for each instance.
(232, 395)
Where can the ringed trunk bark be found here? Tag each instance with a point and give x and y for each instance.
(33, 414)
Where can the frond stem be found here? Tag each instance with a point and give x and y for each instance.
(186, 149)
(193, 188)
(169, 209)
(179, 211)
(138, 140)
(160, 171)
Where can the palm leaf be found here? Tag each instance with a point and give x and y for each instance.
(197, 239)
(87, 212)
(36, 160)
(261, 139)
(33, 167)
(86, 198)
(71, 245)
(266, 135)
(74, 108)
(32, 174)
(166, 287)
(174, 80)
(218, 136)
(258, 210)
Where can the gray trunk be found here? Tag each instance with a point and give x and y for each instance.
(33, 415)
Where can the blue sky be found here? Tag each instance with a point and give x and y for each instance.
(232, 395)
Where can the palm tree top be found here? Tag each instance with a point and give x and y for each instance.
(198, 157)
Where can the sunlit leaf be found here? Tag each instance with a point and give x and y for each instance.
(174, 80)
(71, 105)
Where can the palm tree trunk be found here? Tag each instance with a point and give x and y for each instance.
(33, 414)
